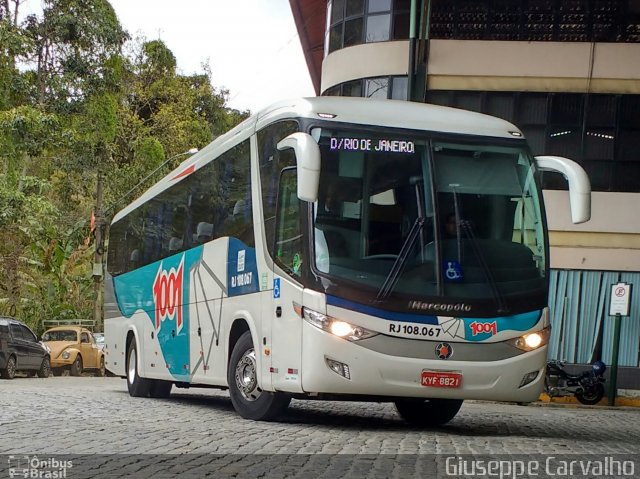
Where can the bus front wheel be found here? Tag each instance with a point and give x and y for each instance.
(428, 412)
(248, 399)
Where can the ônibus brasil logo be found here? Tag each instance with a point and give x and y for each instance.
(167, 294)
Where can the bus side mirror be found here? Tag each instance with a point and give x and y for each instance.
(308, 163)
(579, 184)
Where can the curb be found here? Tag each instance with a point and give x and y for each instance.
(571, 400)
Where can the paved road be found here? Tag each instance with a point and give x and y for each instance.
(68, 415)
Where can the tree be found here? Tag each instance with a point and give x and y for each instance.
(74, 109)
(74, 41)
(162, 108)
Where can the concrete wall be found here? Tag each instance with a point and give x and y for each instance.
(365, 61)
(497, 65)
(610, 241)
(534, 66)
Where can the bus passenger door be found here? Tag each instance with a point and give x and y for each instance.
(286, 331)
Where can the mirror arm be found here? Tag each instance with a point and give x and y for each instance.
(579, 184)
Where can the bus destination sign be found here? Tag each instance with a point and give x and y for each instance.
(372, 145)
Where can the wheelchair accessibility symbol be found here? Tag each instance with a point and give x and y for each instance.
(453, 271)
(276, 288)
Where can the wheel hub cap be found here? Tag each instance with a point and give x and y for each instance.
(246, 376)
(131, 370)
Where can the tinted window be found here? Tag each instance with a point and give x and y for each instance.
(28, 335)
(383, 19)
(4, 331)
(354, 7)
(378, 28)
(213, 202)
(378, 87)
(272, 161)
(16, 331)
(289, 247)
(379, 5)
(399, 88)
(352, 32)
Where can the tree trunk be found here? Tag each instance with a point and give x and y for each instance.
(23, 172)
(97, 259)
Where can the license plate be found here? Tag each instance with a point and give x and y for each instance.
(439, 379)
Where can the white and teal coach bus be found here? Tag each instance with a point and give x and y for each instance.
(341, 248)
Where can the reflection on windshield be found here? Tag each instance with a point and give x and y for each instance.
(481, 234)
(60, 336)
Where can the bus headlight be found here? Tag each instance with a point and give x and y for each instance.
(531, 341)
(342, 329)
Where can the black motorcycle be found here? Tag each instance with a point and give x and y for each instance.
(588, 386)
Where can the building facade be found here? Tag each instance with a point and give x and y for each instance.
(567, 73)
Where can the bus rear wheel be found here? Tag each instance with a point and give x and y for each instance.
(137, 386)
(160, 389)
(248, 399)
(428, 412)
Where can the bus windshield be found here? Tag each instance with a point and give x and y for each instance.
(404, 215)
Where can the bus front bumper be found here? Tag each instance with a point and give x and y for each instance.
(375, 374)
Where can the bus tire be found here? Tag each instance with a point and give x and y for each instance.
(160, 389)
(248, 399)
(137, 386)
(428, 412)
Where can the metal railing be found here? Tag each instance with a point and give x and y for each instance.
(85, 323)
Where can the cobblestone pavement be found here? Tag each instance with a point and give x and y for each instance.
(86, 415)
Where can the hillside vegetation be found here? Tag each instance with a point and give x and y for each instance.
(84, 109)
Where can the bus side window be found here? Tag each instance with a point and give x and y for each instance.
(272, 161)
(288, 238)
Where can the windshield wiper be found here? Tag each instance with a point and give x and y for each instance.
(466, 226)
(394, 274)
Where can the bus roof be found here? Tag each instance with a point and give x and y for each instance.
(363, 111)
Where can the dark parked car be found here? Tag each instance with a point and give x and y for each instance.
(20, 350)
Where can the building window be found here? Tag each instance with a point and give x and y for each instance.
(599, 131)
(379, 87)
(378, 28)
(536, 20)
(352, 22)
(399, 87)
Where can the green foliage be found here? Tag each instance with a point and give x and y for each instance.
(158, 59)
(27, 129)
(99, 123)
(72, 104)
(56, 285)
(19, 203)
(76, 41)
(148, 153)
(13, 44)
